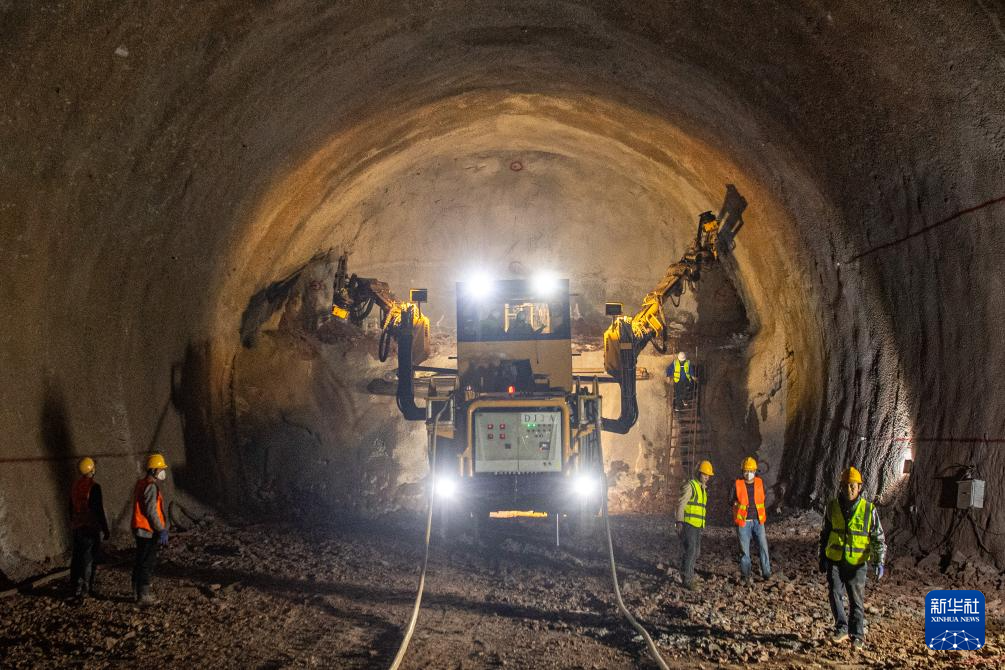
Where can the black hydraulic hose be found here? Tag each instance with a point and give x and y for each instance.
(400, 656)
(406, 393)
(629, 398)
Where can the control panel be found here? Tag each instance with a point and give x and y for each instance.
(518, 441)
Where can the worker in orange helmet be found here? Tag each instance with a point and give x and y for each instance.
(149, 527)
(749, 516)
(88, 524)
(851, 537)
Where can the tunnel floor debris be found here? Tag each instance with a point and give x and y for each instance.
(271, 596)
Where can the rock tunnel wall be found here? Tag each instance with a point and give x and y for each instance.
(161, 166)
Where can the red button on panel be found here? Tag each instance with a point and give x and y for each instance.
(490, 436)
(489, 426)
(502, 426)
(502, 436)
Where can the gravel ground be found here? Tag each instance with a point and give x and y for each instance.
(272, 596)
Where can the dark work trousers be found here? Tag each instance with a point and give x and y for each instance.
(146, 558)
(841, 579)
(682, 392)
(691, 540)
(86, 543)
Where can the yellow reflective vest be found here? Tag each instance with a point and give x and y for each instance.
(850, 543)
(687, 371)
(694, 511)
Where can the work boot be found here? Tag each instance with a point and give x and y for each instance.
(145, 598)
(858, 643)
(839, 636)
(79, 591)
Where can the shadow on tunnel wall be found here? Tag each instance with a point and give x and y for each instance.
(719, 345)
(204, 475)
(58, 446)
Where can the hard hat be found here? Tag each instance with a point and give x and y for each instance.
(156, 462)
(852, 475)
(682, 356)
(749, 464)
(86, 465)
(705, 468)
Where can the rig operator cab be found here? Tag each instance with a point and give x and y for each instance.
(526, 435)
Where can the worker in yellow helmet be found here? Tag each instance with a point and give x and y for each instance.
(749, 517)
(88, 524)
(691, 520)
(851, 538)
(150, 528)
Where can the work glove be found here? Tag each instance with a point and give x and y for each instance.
(162, 539)
(879, 571)
(822, 565)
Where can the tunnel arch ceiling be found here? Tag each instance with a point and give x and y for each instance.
(140, 173)
(586, 186)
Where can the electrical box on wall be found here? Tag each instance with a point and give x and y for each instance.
(970, 493)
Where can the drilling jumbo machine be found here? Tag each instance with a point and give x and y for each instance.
(514, 427)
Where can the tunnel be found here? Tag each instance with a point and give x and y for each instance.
(179, 181)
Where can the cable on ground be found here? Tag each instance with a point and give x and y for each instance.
(653, 651)
(400, 656)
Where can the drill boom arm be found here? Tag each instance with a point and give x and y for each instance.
(627, 336)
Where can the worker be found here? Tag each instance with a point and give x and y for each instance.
(691, 520)
(491, 325)
(750, 493)
(149, 527)
(852, 536)
(522, 328)
(683, 380)
(89, 525)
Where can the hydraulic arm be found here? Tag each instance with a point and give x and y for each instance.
(627, 336)
(400, 321)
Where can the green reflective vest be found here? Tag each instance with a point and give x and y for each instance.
(694, 511)
(852, 542)
(676, 371)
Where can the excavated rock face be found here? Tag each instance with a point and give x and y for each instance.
(172, 178)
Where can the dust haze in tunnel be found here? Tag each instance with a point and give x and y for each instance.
(578, 185)
(150, 190)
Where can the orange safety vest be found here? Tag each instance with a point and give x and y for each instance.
(140, 521)
(80, 498)
(741, 504)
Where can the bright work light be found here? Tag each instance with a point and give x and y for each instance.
(544, 283)
(445, 487)
(480, 285)
(584, 485)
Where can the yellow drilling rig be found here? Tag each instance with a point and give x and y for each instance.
(514, 427)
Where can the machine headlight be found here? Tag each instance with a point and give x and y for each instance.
(585, 486)
(445, 487)
(480, 286)
(545, 283)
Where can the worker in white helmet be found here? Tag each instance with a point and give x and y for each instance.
(682, 374)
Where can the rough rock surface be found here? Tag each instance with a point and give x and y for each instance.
(161, 166)
(340, 596)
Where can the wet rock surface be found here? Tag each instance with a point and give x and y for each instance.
(340, 595)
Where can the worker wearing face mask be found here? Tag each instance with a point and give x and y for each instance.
(749, 516)
(850, 539)
(149, 527)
